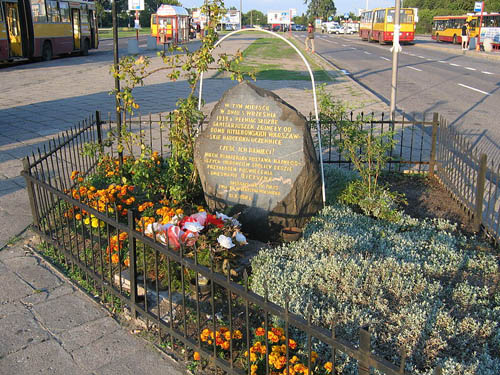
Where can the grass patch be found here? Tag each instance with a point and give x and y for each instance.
(273, 59)
(123, 32)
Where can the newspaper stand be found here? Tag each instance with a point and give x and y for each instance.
(171, 25)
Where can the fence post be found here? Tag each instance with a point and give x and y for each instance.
(99, 129)
(31, 192)
(365, 349)
(432, 161)
(481, 182)
(132, 252)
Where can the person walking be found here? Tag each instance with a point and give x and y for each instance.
(465, 36)
(310, 37)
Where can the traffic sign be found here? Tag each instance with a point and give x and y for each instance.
(478, 6)
(330, 18)
(135, 4)
(346, 15)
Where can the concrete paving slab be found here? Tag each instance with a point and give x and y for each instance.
(19, 330)
(28, 268)
(66, 312)
(13, 287)
(47, 357)
(86, 334)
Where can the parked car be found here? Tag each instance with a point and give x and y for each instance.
(334, 29)
(276, 28)
(266, 27)
(300, 28)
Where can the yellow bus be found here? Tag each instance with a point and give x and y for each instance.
(378, 25)
(44, 28)
(449, 28)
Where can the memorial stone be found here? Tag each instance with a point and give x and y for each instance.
(256, 158)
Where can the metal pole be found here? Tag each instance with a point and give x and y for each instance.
(136, 30)
(117, 80)
(241, 13)
(478, 45)
(396, 48)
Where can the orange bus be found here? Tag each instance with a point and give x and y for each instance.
(44, 28)
(449, 28)
(378, 25)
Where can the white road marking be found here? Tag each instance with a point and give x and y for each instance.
(345, 72)
(421, 57)
(486, 73)
(385, 58)
(411, 67)
(442, 62)
(429, 59)
(344, 45)
(470, 68)
(472, 88)
(412, 54)
(368, 53)
(452, 64)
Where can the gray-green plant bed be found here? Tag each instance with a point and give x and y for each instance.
(420, 285)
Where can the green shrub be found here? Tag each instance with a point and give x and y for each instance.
(419, 284)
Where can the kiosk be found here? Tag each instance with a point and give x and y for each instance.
(170, 24)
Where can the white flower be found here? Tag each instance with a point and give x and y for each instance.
(193, 226)
(175, 219)
(155, 228)
(221, 216)
(240, 238)
(225, 241)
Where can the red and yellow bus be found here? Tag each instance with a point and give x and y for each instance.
(44, 28)
(449, 28)
(378, 25)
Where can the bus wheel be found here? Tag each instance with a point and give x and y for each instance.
(47, 51)
(85, 49)
(455, 41)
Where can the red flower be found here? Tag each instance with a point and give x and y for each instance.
(212, 219)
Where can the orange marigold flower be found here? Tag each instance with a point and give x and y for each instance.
(225, 345)
(80, 179)
(74, 174)
(314, 356)
(115, 258)
(260, 331)
(196, 356)
(227, 335)
(237, 335)
(328, 366)
(292, 344)
(126, 262)
(78, 217)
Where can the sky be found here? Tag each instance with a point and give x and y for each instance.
(342, 6)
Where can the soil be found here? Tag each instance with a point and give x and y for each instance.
(427, 198)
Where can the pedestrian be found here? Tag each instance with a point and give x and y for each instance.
(465, 36)
(310, 37)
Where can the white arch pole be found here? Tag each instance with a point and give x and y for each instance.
(323, 190)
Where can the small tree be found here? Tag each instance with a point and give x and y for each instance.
(180, 63)
(368, 152)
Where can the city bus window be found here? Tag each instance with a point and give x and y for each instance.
(84, 15)
(38, 10)
(53, 11)
(64, 7)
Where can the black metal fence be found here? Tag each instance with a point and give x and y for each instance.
(410, 151)
(188, 304)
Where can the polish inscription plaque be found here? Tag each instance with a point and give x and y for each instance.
(256, 156)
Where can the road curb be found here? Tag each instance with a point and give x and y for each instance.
(468, 53)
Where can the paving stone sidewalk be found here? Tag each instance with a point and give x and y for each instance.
(48, 326)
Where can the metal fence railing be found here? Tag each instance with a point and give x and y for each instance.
(159, 283)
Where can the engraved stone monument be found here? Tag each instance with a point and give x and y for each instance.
(256, 157)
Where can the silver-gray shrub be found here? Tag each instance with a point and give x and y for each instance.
(420, 286)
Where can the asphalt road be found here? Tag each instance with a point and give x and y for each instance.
(464, 89)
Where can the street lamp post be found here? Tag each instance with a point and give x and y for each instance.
(395, 51)
(241, 13)
(117, 79)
